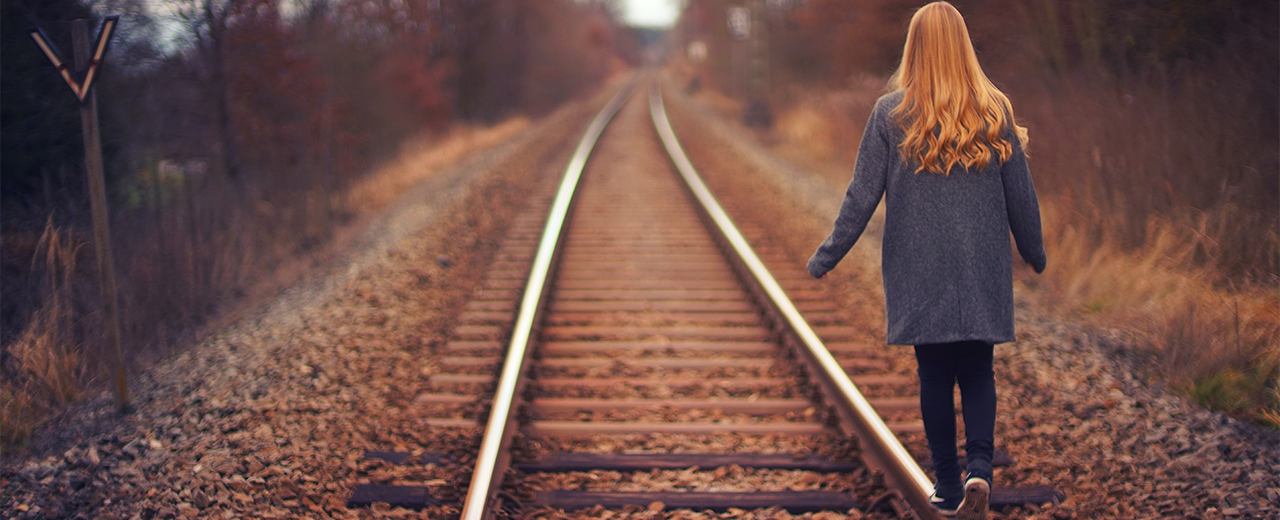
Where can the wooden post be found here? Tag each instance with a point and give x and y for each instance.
(98, 205)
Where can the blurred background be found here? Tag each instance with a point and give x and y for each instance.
(238, 135)
(1155, 148)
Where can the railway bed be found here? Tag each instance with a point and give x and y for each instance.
(630, 350)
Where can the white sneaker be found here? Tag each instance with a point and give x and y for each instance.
(945, 507)
(977, 497)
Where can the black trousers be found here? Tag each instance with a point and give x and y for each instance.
(940, 367)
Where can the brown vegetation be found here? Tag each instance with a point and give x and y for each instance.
(1154, 130)
(53, 372)
(238, 148)
(420, 158)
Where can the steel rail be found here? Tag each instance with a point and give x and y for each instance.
(899, 465)
(497, 435)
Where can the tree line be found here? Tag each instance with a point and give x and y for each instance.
(1139, 108)
(231, 130)
(1155, 148)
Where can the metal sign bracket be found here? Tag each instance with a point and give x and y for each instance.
(79, 86)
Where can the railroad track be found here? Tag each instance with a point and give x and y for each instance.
(630, 350)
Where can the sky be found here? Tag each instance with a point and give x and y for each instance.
(651, 13)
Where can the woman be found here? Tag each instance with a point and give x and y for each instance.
(944, 151)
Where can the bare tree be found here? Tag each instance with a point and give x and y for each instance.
(207, 22)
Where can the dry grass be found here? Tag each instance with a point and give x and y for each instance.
(44, 371)
(1195, 287)
(18, 414)
(177, 273)
(1200, 333)
(420, 158)
(1160, 220)
(810, 130)
(828, 125)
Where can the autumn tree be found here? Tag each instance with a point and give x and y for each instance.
(208, 22)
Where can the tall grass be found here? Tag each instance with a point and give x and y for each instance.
(1123, 153)
(43, 368)
(1156, 140)
(192, 249)
(1216, 343)
(1155, 148)
(421, 157)
(1159, 210)
(1160, 216)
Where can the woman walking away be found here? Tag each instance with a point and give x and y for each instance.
(944, 151)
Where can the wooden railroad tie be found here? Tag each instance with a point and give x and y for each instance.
(418, 497)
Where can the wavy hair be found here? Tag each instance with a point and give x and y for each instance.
(951, 113)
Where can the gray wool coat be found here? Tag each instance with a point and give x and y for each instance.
(946, 260)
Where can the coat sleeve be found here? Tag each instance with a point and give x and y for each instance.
(1023, 207)
(860, 200)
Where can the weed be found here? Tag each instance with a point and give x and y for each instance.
(47, 350)
(1226, 390)
(1270, 415)
(18, 414)
(44, 369)
(1250, 392)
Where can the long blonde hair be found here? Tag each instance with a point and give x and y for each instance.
(950, 112)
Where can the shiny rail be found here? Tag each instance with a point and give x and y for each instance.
(491, 459)
(889, 454)
(886, 453)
